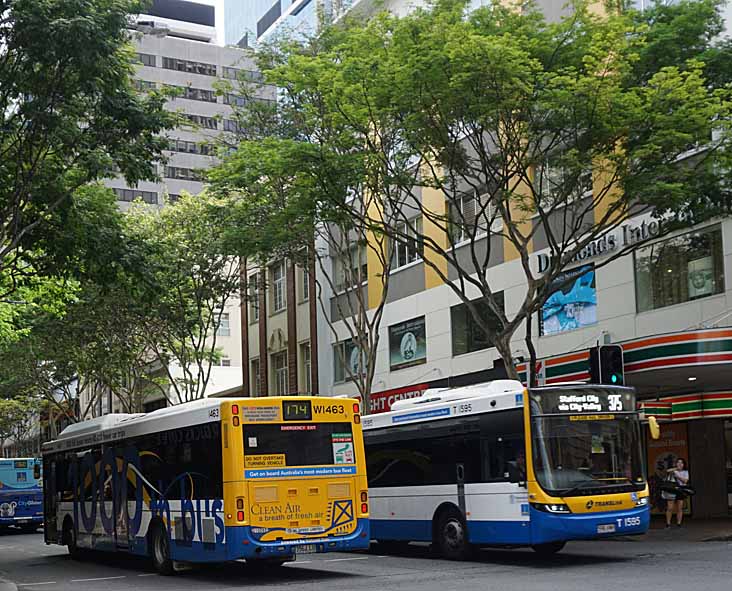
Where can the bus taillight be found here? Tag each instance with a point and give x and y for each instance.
(356, 408)
(240, 515)
(364, 496)
(357, 419)
(240, 503)
(235, 409)
(235, 421)
(364, 507)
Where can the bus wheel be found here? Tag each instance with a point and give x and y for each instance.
(160, 551)
(548, 549)
(69, 536)
(452, 536)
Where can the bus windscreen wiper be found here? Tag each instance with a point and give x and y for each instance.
(582, 485)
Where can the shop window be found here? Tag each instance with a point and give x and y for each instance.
(680, 269)
(467, 334)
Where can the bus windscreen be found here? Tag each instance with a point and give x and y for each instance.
(298, 444)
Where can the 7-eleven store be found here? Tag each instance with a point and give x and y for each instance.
(696, 425)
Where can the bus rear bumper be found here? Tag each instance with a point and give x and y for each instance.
(547, 527)
(19, 520)
(242, 543)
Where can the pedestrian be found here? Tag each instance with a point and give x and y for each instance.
(675, 500)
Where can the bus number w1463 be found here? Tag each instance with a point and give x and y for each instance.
(331, 409)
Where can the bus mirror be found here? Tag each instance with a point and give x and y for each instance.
(37, 471)
(654, 428)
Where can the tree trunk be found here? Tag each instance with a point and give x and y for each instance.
(504, 349)
(531, 380)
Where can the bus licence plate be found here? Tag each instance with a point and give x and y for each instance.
(306, 549)
(606, 528)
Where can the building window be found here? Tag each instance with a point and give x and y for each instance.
(237, 100)
(143, 85)
(255, 378)
(146, 59)
(410, 247)
(170, 63)
(183, 174)
(467, 335)
(244, 75)
(186, 147)
(305, 284)
(306, 365)
(224, 329)
(461, 218)
(254, 298)
(561, 178)
(196, 94)
(232, 126)
(680, 269)
(277, 272)
(279, 370)
(351, 269)
(225, 362)
(347, 362)
(129, 195)
(202, 121)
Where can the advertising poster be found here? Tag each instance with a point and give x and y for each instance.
(662, 454)
(701, 277)
(407, 344)
(572, 303)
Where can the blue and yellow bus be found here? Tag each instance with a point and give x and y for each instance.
(261, 479)
(496, 464)
(21, 495)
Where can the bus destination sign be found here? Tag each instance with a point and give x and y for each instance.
(590, 400)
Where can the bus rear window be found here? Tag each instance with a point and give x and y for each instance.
(298, 444)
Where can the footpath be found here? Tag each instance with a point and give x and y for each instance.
(692, 530)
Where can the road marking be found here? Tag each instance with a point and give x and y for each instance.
(97, 579)
(34, 584)
(344, 559)
(148, 575)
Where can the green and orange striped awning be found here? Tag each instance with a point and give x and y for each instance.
(689, 406)
(685, 349)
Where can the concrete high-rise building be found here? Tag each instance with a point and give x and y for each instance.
(176, 46)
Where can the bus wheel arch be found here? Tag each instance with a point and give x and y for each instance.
(158, 544)
(68, 538)
(450, 532)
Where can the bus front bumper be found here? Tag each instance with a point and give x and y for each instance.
(548, 527)
(242, 543)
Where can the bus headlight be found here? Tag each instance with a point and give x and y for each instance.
(641, 502)
(551, 507)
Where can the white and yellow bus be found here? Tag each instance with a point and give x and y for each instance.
(496, 464)
(261, 479)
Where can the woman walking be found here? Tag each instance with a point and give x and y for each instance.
(675, 501)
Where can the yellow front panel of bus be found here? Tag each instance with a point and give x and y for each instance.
(294, 467)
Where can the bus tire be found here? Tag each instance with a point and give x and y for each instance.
(69, 538)
(548, 549)
(451, 535)
(160, 550)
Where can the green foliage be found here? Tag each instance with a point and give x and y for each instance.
(498, 103)
(70, 115)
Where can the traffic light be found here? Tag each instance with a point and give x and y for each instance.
(606, 365)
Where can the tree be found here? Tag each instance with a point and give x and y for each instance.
(17, 422)
(501, 129)
(193, 279)
(70, 115)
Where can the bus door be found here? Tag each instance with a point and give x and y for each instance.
(50, 502)
(460, 478)
(119, 503)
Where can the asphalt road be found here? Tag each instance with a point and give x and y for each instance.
(587, 566)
